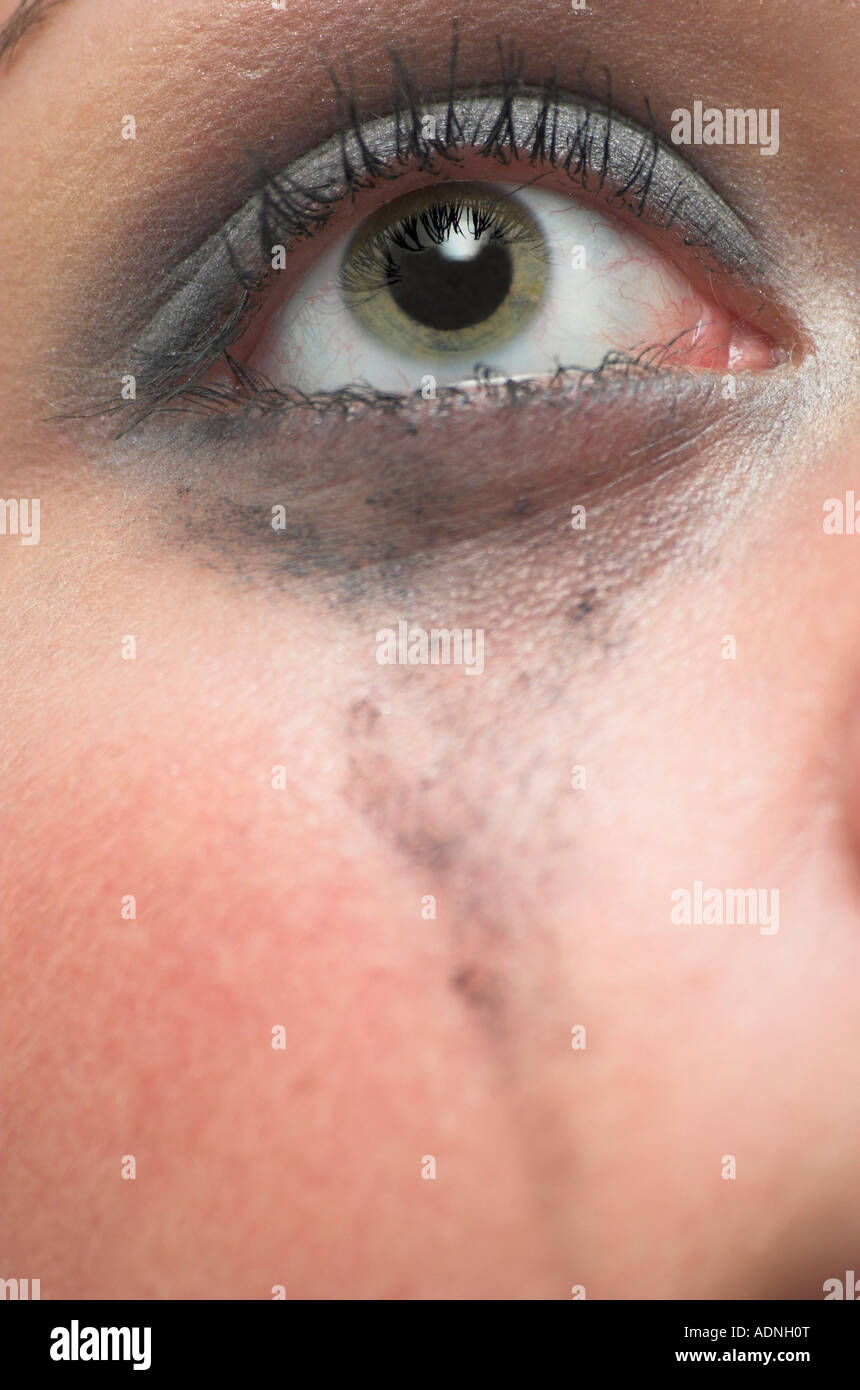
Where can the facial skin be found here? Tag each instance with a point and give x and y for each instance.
(300, 905)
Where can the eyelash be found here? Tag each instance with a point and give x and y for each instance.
(373, 269)
(169, 375)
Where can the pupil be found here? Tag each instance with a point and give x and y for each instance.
(450, 291)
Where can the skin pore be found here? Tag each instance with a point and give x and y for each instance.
(300, 904)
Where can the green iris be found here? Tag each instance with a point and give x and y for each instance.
(453, 268)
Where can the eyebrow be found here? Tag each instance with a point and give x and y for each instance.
(28, 14)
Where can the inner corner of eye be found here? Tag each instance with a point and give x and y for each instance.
(461, 279)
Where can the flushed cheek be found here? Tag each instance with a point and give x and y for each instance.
(237, 990)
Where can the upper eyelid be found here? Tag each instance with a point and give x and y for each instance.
(581, 136)
(598, 148)
(592, 141)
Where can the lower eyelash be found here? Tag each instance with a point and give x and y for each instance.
(253, 396)
(592, 144)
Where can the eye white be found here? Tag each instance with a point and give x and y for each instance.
(607, 290)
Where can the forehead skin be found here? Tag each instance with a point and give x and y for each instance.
(300, 904)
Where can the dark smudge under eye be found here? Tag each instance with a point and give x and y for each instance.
(380, 496)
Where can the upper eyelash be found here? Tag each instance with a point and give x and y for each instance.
(219, 289)
(372, 267)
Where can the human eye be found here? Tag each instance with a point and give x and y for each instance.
(515, 236)
(463, 282)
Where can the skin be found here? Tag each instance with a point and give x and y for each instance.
(301, 906)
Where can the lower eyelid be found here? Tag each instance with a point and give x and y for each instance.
(448, 474)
